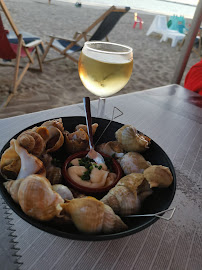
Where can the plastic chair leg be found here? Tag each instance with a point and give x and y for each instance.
(174, 41)
(163, 38)
(134, 24)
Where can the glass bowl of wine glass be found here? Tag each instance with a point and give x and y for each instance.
(105, 68)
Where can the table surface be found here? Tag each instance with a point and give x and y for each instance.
(172, 117)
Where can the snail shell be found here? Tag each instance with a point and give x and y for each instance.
(124, 197)
(17, 155)
(133, 162)
(64, 191)
(10, 162)
(54, 123)
(111, 148)
(47, 160)
(29, 163)
(37, 199)
(158, 176)
(32, 142)
(131, 140)
(12, 186)
(76, 141)
(54, 175)
(52, 133)
(92, 216)
(43, 132)
(55, 139)
(84, 127)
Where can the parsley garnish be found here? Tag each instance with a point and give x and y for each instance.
(86, 162)
(109, 164)
(86, 176)
(70, 165)
(89, 164)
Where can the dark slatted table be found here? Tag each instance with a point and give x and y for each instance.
(172, 117)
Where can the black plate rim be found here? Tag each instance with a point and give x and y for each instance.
(82, 237)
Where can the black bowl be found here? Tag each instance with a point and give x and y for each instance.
(159, 200)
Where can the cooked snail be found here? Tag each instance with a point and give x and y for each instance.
(92, 216)
(16, 161)
(158, 176)
(64, 191)
(124, 198)
(131, 140)
(32, 142)
(36, 197)
(112, 148)
(133, 162)
(78, 140)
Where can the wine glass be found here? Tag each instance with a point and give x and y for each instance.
(104, 69)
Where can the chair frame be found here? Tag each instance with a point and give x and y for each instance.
(77, 37)
(21, 46)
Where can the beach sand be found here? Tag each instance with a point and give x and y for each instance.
(59, 83)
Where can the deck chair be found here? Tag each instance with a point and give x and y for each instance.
(66, 47)
(17, 45)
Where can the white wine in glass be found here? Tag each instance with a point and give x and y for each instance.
(105, 68)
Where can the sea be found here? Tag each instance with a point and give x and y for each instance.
(184, 8)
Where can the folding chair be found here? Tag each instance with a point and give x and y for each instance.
(17, 45)
(66, 47)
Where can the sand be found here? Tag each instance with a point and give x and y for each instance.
(59, 83)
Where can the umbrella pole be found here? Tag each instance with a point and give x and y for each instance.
(188, 45)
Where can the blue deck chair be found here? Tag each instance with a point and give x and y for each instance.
(66, 47)
(27, 37)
